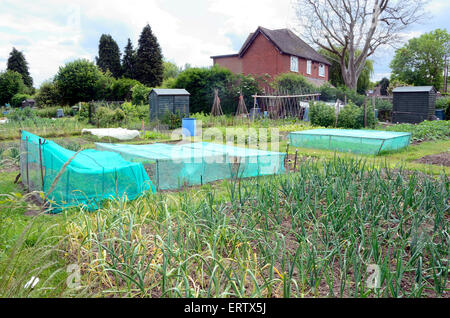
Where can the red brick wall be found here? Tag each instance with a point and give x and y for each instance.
(233, 63)
(314, 69)
(262, 57)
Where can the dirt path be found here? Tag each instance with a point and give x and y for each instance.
(440, 159)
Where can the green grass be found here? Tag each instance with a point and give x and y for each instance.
(312, 233)
(44, 127)
(29, 246)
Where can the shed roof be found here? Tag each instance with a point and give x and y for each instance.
(412, 89)
(169, 91)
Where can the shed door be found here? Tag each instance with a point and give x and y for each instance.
(181, 104)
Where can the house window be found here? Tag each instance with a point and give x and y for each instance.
(322, 70)
(294, 64)
(308, 67)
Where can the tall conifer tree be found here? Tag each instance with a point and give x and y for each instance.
(109, 55)
(149, 62)
(17, 63)
(129, 61)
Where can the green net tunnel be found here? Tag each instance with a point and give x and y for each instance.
(91, 177)
(349, 140)
(174, 166)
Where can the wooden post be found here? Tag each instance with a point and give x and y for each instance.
(287, 156)
(40, 163)
(373, 107)
(157, 176)
(365, 113)
(295, 160)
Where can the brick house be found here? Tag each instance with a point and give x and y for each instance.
(274, 52)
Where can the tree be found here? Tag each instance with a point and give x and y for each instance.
(81, 81)
(129, 61)
(109, 56)
(335, 74)
(422, 60)
(171, 70)
(17, 63)
(201, 83)
(394, 83)
(344, 27)
(16, 100)
(11, 83)
(140, 94)
(48, 95)
(121, 89)
(149, 63)
(384, 85)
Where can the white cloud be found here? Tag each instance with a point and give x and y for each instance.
(378, 76)
(243, 17)
(438, 6)
(46, 44)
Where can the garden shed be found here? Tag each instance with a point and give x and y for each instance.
(168, 100)
(413, 104)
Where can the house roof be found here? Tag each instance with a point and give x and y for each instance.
(411, 89)
(168, 91)
(225, 55)
(286, 42)
(317, 82)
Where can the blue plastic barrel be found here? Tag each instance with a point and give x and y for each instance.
(439, 114)
(189, 126)
(376, 113)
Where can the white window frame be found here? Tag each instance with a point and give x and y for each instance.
(322, 70)
(294, 63)
(308, 67)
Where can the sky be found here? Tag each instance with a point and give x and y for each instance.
(51, 33)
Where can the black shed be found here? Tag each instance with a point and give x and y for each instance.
(168, 100)
(413, 104)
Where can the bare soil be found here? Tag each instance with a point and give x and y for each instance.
(441, 159)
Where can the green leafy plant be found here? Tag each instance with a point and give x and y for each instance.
(383, 104)
(122, 89)
(152, 135)
(81, 80)
(426, 130)
(140, 94)
(321, 114)
(172, 120)
(16, 100)
(293, 83)
(349, 117)
(11, 83)
(107, 117)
